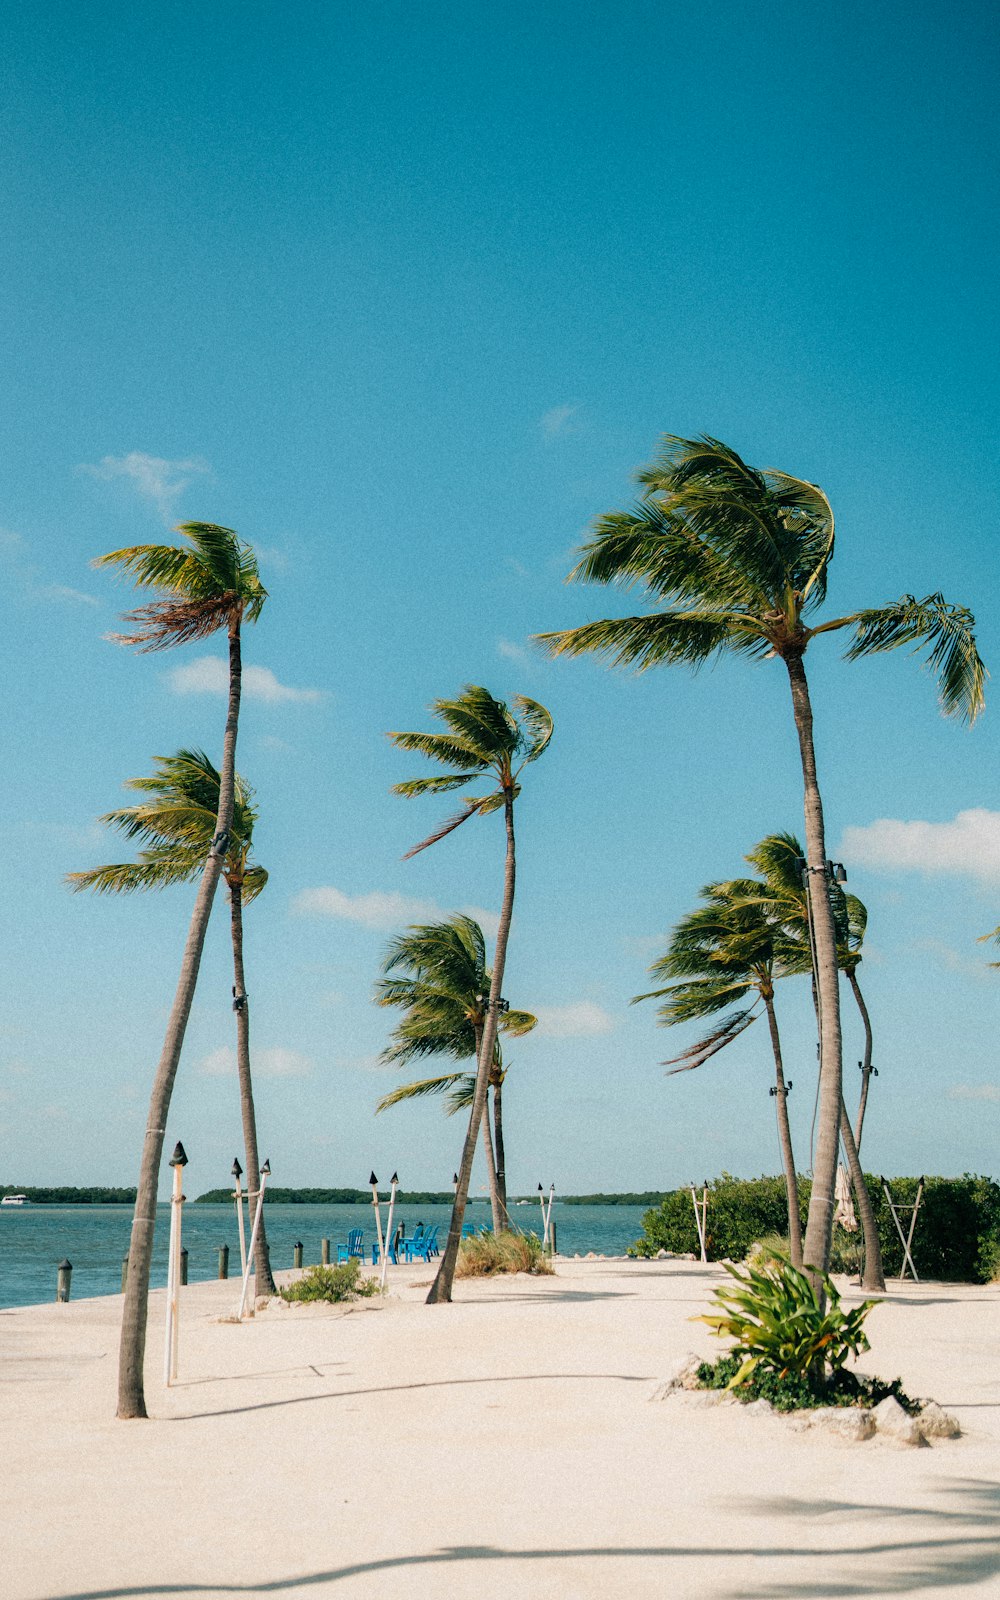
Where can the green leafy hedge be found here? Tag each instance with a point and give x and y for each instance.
(957, 1236)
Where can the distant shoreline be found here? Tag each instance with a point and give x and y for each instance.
(63, 1195)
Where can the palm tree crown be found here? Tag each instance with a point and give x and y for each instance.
(207, 587)
(738, 558)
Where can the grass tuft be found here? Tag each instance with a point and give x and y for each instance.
(487, 1253)
(332, 1284)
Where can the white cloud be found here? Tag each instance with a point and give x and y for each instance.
(582, 1019)
(558, 421)
(210, 675)
(59, 591)
(969, 846)
(953, 960)
(512, 652)
(382, 910)
(152, 477)
(274, 1063)
(974, 1091)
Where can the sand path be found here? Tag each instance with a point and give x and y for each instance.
(502, 1444)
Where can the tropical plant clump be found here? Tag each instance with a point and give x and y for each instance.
(486, 1254)
(793, 1392)
(783, 1324)
(332, 1285)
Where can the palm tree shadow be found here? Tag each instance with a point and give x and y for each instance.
(966, 1551)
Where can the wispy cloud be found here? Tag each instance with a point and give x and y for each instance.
(15, 559)
(381, 910)
(60, 591)
(581, 1019)
(513, 652)
(968, 846)
(154, 479)
(557, 422)
(944, 955)
(974, 1091)
(276, 1062)
(210, 675)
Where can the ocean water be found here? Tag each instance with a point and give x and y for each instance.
(34, 1239)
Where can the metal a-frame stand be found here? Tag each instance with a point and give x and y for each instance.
(701, 1217)
(905, 1239)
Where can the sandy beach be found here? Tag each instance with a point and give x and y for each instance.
(507, 1441)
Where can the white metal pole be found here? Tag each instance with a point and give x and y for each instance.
(265, 1173)
(238, 1197)
(388, 1228)
(378, 1216)
(178, 1161)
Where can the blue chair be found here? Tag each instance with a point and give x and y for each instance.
(353, 1249)
(423, 1247)
(390, 1250)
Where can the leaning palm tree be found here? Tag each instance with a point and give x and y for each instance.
(210, 584)
(437, 973)
(175, 822)
(484, 739)
(778, 858)
(726, 952)
(738, 559)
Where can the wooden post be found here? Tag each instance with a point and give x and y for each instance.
(265, 1173)
(394, 1181)
(184, 1269)
(324, 1252)
(64, 1273)
(373, 1181)
(297, 1254)
(238, 1197)
(124, 1273)
(174, 1267)
(553, 1247)
(223, 1261)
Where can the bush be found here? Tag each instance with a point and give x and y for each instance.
(795, 1393)
(957, 1236)
(487, 1253)
(332, 1284)
(778, 1322)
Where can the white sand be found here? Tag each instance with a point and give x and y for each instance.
(503, 1444)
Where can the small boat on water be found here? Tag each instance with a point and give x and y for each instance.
(14, 1200)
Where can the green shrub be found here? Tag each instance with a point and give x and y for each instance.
(487, 1253)
(332, 1284)
(957, 1236)
(795, 1393)
(775, 1316)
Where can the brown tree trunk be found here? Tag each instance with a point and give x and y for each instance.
(819, 1224)
(132, 1346)
(440, 1291)
(498, 1147)
(785, 1139)
(241, 1005)
(873, 1276)
(866, 1065)
(491, 1167)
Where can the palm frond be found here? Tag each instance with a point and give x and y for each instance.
(254, 882)
(538, 722)
(165, 623)
(946, 631)
(482, 721)
(471, 809)
(419, 1091)
(517, 1023)
(441, 747)
(691, 637)
(697, 1054)
(130, 877)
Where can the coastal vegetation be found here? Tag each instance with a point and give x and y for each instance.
(735, 559)
(69, 1194)
(331, 1285)
(486, 1254)
(485, 739)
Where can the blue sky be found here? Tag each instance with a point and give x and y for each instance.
(406, 294)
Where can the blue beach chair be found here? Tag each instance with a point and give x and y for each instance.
(353, 1249)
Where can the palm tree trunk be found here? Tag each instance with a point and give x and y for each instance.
(873, 1276)
(866, 1065)
(491, 1167)
(440, 1291)
(132, 1346)
(241, 1005)
(819, 1223)
(785, 1138)
(498, 1146)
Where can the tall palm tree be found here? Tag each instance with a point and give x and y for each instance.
(175, 821)
(737, 559)
(210, 584)
(437, 973)
(778, 858)
(719, 956)
(484, 739)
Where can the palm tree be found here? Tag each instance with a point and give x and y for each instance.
(718, 956)
(737, 558)
(175, 821)
(437, 972)
(212, 584)
(778, 858)
(484, 738)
